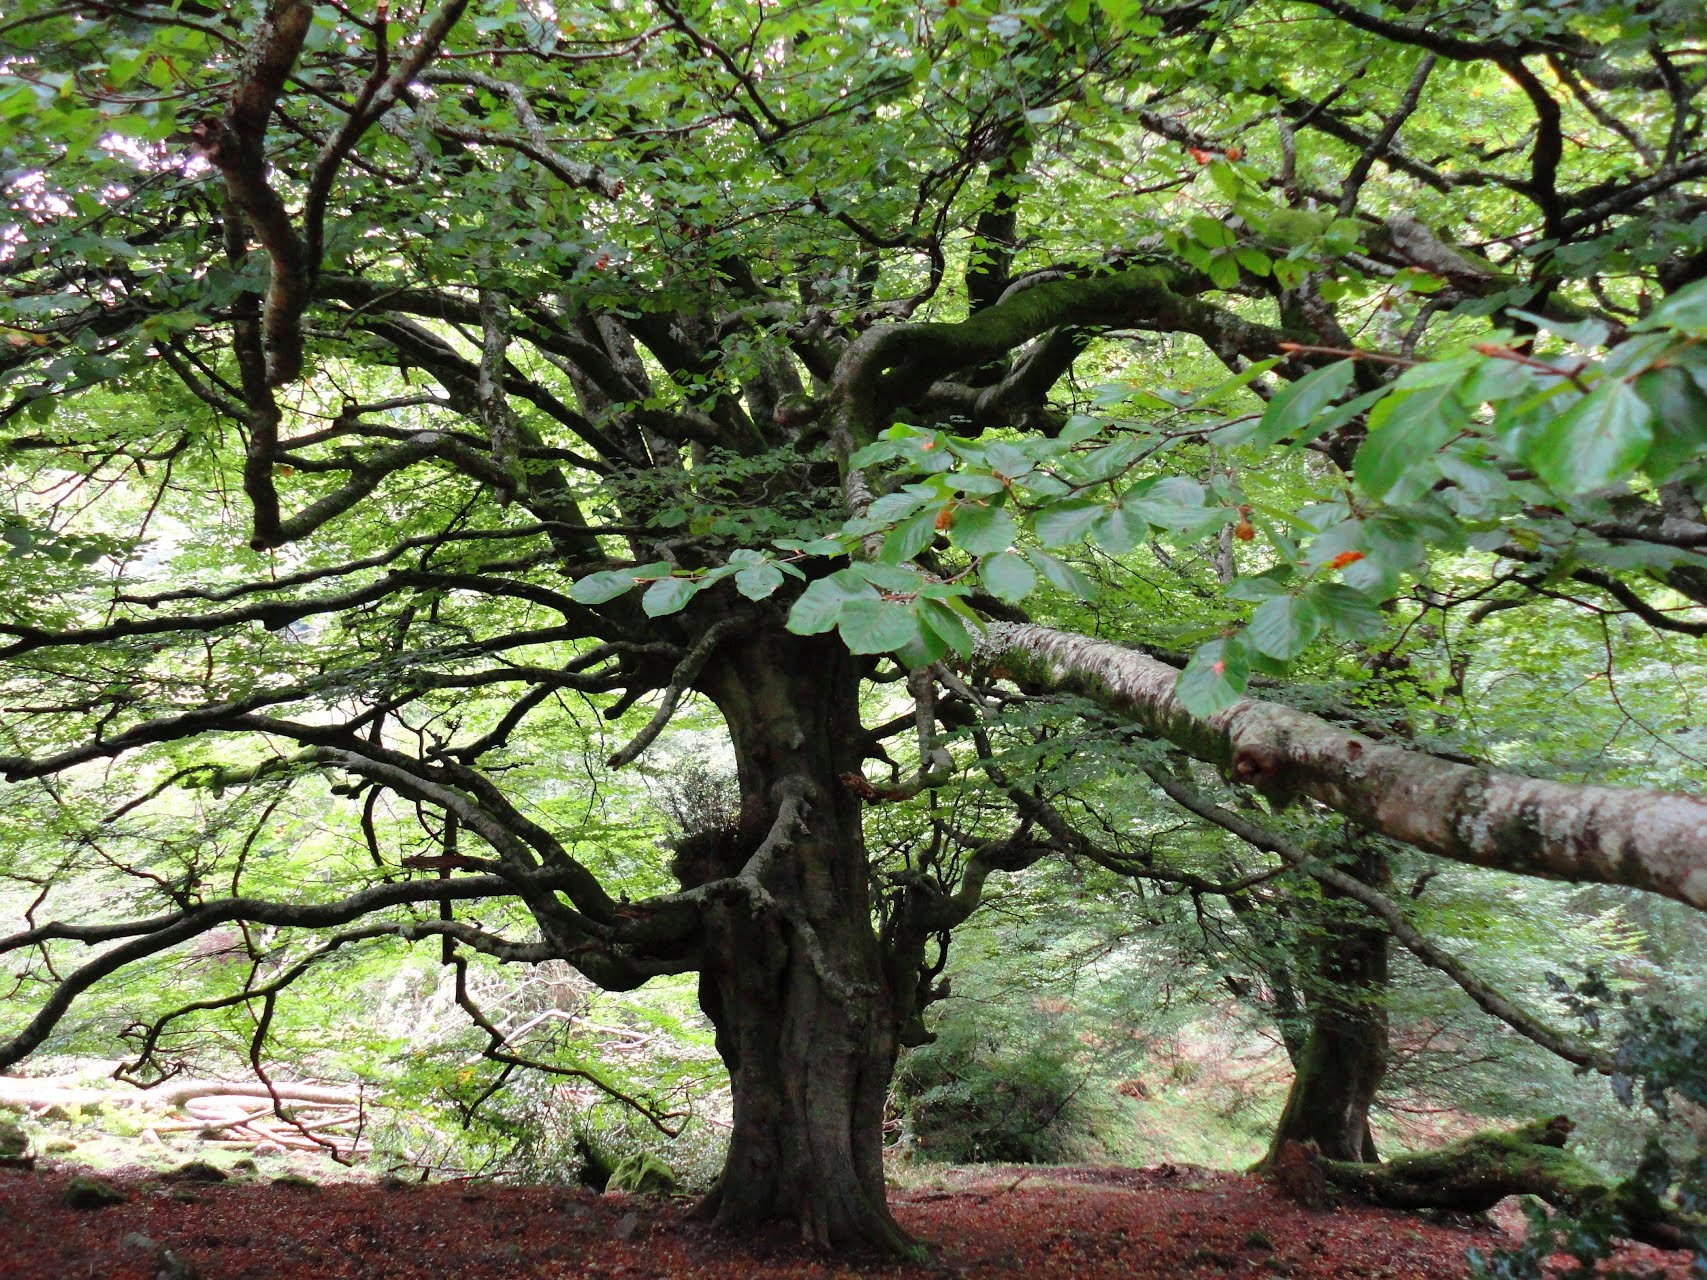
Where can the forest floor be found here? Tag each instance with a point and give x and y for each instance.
(1043, 1223)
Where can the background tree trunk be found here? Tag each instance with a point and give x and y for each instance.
(1344, 1056)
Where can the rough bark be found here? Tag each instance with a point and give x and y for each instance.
(793, 978)
(1344, 1056)
(1653, 840)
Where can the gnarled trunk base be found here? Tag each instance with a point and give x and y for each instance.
(809, 1066)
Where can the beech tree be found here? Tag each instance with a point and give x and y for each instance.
(809, 360)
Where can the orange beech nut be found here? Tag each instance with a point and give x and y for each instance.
(944, 518)
(1244, 531)
(1200, 155)
(1235, 153)
(1344, 558)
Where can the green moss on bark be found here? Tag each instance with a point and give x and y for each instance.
(1478, 1172)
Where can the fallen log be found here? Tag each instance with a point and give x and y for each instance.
(42, 1091)
(1476, 1173)
(178, 1092)
(209, 1121)
(18, 1091)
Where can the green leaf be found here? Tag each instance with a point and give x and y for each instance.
(1066, 522)
(1598, 440)
(1209, 232)
(923, 649)
(976, 484)
(1008, 576)
(894, 506)
(938, 619)
(1080, 427)
(1008, 460)
(1062, 577)
(668, 595)
(1249, 374)
(758, 581)
(896, 579)
(876, 451)
(1214, 679)
(1432, 373)
(607, 584)
(1225, 179)
(1262, 587)
(982, 531)
(1120, 530)
(1283, 626)
(820, 605)
(1223, 271)
(1293, 408)
(1679, 420)
(1110, 461)
(1351, 614)
(911, 536)
(877, 626)
(1342, 235)
(1685, 310)
(1254, 260)
(1585, 333)
(1405, 430)
(1174, 503)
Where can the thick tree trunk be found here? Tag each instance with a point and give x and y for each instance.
(1344, 1056)
(794, 979)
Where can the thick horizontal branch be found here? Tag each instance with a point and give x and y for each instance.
(1435, 38)
(887, 365)
(1651, 840)
(367, 475)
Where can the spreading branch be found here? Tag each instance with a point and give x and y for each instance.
(1653, 840)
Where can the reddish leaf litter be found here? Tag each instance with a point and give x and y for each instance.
(1087, 1224)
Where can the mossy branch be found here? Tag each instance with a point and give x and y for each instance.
(1477, 1172)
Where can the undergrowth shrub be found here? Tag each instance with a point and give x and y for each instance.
(1021, 1097)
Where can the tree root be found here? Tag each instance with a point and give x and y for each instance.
(1475, 1173)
